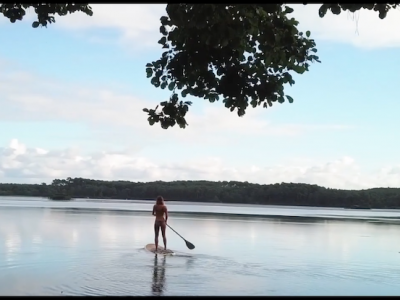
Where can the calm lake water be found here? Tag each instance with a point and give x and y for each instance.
(96, 247)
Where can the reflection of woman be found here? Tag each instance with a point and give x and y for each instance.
(158, 276)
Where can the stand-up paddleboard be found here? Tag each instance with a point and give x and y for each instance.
(160, 250)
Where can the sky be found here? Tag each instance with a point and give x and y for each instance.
(72, 96)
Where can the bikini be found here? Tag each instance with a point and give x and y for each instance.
(159, 222)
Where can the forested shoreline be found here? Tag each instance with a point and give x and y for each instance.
(211, 191)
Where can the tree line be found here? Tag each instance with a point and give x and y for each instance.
(210, 191)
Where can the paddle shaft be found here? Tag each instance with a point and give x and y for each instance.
(176, 232)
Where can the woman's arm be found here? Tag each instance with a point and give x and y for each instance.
(154, 210)
(166, 213)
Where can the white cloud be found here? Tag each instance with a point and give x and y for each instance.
(115, 115)
(363, 29)
(19, 163)
(138, 24)
(121, 116)
(135, 26)
(118, 118)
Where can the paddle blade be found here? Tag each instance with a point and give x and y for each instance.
(189, 245)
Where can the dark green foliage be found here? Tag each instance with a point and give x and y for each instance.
(172, 112)
(45, 11)
(244, 53)
(337, 8)
(209, 191)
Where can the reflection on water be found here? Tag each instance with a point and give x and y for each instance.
(158, 275)
(12, 245)
(69, 251)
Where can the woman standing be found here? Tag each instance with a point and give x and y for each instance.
(161, 212)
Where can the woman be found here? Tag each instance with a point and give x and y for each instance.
(160, 210)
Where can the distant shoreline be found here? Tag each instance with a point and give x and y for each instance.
(202, 191)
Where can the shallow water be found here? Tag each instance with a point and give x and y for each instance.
(72, 248)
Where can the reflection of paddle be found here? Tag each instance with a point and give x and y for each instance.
(188, 244)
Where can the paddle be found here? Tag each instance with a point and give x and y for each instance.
(188, 244)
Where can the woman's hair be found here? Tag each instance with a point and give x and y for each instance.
(160, 200)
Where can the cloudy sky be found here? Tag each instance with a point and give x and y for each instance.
(72, 97)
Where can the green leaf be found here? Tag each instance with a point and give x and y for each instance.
(171, 86)
(290, 99)
(163, 40)
(288, 10)
(335, 9)
(308, 33)
(35, 24)
(149, 72)
(174, 98)
(299, 69)
(146, 110)
(164, 85)
(163, 30)
(322, 10)
(153, 81)
(163, 19)
(184, 93)
(149, 65)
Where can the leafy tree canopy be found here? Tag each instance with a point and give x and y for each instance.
(242, 53)
(44, 11)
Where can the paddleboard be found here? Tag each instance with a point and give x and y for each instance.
(160, 250)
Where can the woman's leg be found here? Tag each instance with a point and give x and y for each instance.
(156, 233)
(163, 227)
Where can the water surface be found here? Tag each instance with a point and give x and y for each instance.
(89, 247)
